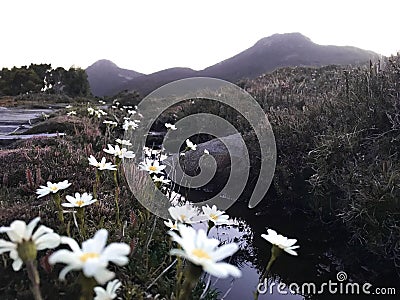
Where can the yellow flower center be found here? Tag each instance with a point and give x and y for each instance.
(79, 203)
(183, 218)
(54, 188)
(153, 168)
(84, 257)
(214, 217)
(200, 253)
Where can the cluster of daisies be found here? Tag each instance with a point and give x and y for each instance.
(195, 245)
(93, 257)
(91, 111)
(118, 150)
(128, 122)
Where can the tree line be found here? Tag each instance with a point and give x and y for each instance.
(42, 78)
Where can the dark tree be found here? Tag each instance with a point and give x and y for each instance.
(42, 78)
(25, 80)
(76, 82)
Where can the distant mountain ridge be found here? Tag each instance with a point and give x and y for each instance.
(268, 54)
(104, 74)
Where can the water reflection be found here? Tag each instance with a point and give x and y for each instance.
(325, 250)
(245, 286)
(323, 253)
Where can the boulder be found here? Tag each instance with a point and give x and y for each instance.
(196, 161)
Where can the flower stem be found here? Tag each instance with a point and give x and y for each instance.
(192, 275)
(275, 252)
(87, 285)
(80, 213)
(116, 197)
(57, 201)
(179, 275)
(33, 275)
(96, 184)
(107, 134)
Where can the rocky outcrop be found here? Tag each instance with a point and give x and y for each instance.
(196, 161)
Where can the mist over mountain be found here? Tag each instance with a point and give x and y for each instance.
(268, 54)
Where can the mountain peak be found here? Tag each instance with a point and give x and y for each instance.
(105, 77)
(279, 38)
(103, 63)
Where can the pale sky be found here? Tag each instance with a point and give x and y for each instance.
(148, 36)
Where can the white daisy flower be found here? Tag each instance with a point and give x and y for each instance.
(174, 197)
(90, 111)
(204, 252)
(152, 166)
(206, 152)
(282, 242)
(79, 200)
(117, 151)
(71, 113)
(123, 142)
(109, 293)
(129, 124)
(102, 165)
(24, 243)
(216, 216)
(191, 145)
(150, 152)
(161, 179)
(92, 258)
(99, 113)
(52, 188)
(170, 126)
(186, 213)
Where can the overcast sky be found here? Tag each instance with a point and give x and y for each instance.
(149, 36)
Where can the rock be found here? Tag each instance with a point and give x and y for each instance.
(9, 139)
(17, 120)
(218, 149)
(64, 124)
